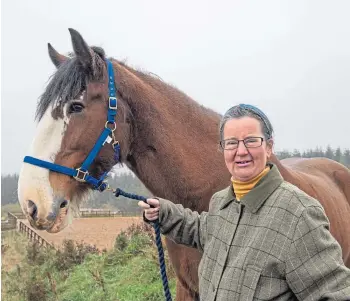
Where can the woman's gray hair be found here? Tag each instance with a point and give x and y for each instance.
(243, 110)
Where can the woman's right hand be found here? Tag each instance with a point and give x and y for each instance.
(151, 214)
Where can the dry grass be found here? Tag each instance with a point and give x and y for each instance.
(12, 249)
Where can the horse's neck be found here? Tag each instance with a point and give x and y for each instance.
(175, 150)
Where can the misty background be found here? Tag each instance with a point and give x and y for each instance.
(289, 58)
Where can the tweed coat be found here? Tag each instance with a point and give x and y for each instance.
(273, 244)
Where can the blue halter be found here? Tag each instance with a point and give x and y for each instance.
(82, 174)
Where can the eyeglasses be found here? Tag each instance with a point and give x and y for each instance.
(249, 142)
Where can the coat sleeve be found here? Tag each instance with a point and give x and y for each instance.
(314, 267)
(182, 225)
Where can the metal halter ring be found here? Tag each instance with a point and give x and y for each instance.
(115, 126)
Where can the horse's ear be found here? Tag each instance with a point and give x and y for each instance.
(81, 49)
(56, 58)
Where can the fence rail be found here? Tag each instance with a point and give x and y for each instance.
(14, 219)
(33, 236)
(6, 225)
(107, 213)
(15, 215)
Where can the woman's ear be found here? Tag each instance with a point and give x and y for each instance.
(269, 147)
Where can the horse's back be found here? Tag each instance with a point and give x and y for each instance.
(321, 171)
(329, 182)
(319, 163)
(322, 178)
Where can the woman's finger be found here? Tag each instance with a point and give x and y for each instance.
(153, 202)
(152, 216)
(152, 210)
(144, 205)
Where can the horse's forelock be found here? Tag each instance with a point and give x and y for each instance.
(69, 81)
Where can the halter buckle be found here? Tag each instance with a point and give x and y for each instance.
(81, 175)
(103, 186)
(112, 107)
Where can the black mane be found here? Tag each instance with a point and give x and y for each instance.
(70, 80)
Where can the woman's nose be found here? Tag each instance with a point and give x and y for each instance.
(241, 148)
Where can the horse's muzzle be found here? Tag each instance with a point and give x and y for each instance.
(38, 220)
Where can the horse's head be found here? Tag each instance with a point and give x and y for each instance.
(71, 114)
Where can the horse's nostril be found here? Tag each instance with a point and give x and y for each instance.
(63, 204)
(32, 210)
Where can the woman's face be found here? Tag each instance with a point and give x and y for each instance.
(245, 163)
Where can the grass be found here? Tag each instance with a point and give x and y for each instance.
(12, 249)
(129, 272)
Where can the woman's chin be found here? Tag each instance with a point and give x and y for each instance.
(244, 174)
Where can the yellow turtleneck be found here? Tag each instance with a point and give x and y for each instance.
(242, 188)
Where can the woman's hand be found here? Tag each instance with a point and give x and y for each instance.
(151, 214)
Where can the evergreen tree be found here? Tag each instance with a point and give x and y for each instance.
(9, 189)
(329, 153)
(338, 154)
(346, 156)
(296, 153)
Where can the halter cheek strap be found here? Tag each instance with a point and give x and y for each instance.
(82, 174)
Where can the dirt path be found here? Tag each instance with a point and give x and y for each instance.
(99, 231)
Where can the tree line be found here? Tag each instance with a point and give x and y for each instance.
(341, 156)
(130, 183)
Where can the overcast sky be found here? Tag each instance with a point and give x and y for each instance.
(290, 58)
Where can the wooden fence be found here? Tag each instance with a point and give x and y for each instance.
(6, 225)
(15, 217)
(33, 236)
(11, 221)
(18, 214)
(106, 213)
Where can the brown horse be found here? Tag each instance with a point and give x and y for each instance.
(167, 139)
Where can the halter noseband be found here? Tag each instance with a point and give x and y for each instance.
(82, 174)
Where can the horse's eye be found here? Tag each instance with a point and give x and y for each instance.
(75, 107)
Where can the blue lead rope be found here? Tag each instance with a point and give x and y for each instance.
(156, 227)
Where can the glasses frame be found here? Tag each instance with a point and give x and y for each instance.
(222, 143)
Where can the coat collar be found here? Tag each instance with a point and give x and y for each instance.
(255, 198)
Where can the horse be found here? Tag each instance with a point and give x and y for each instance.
(166, 138)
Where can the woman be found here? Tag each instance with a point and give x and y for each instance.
(263, 238)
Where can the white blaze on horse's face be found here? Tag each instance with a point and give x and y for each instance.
(35, 193)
